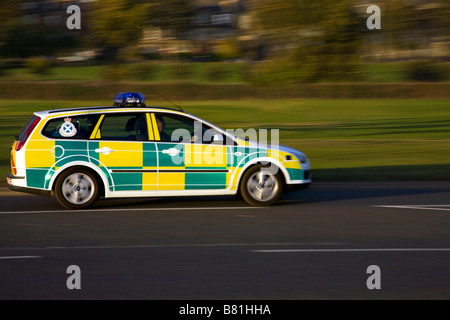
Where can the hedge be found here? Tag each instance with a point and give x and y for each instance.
(189, 91)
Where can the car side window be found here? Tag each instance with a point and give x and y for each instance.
(70, 127)
(175, 128)
(124, 127)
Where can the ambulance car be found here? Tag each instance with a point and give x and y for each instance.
(132, 150)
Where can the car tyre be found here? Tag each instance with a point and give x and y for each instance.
(261, 185)
(77, 188)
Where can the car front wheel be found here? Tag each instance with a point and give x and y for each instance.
(77, 189)
(261, 186)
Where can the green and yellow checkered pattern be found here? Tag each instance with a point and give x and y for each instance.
(145, 166)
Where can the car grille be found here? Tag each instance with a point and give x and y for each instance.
(307, 175)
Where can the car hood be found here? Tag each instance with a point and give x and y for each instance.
(283, 148)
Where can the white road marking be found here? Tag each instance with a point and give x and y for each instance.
(132, 209)
(192, 245)
(20, 257)
(354, 250)
(438, 207)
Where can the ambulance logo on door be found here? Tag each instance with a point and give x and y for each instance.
(68, 128)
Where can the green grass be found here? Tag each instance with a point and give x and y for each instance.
(350, 140)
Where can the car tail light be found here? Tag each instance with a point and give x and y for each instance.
(13, 164)
(26, 133)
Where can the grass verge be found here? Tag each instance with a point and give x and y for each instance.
(346, 140)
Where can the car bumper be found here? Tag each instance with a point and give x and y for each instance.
(297, 187)
(16, 183)
(300, 184)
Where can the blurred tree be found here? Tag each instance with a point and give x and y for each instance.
(9, 19)
(9, 16)
(22, 40)
(320, 38)
(172, 15)
(118, 24)
(398, 23)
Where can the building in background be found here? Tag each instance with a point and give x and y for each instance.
(215, 20)
(210, 31)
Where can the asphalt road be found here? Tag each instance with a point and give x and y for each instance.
(333, 241)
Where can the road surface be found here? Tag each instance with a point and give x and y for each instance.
(333, 241)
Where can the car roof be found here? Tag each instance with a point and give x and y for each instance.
(98, 109)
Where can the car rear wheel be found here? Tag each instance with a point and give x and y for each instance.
(261, 185)
(77, 189)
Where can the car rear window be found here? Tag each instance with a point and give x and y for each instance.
(71, 127)
(25, 131)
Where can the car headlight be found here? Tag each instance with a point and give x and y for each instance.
(304, 159)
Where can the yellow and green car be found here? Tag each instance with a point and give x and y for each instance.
(133, 150)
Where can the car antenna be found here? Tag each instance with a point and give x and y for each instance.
(48, 96)
(173, 104)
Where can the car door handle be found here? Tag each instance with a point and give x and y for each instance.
(104, 150)
(171, 152)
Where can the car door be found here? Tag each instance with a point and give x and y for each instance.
(120, 146)
(187, 160)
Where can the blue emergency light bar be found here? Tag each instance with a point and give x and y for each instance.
(129, 99)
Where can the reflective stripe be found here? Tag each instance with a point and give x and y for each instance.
(149, 127)
(171, 170)
(155, 126)
(95, 134)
